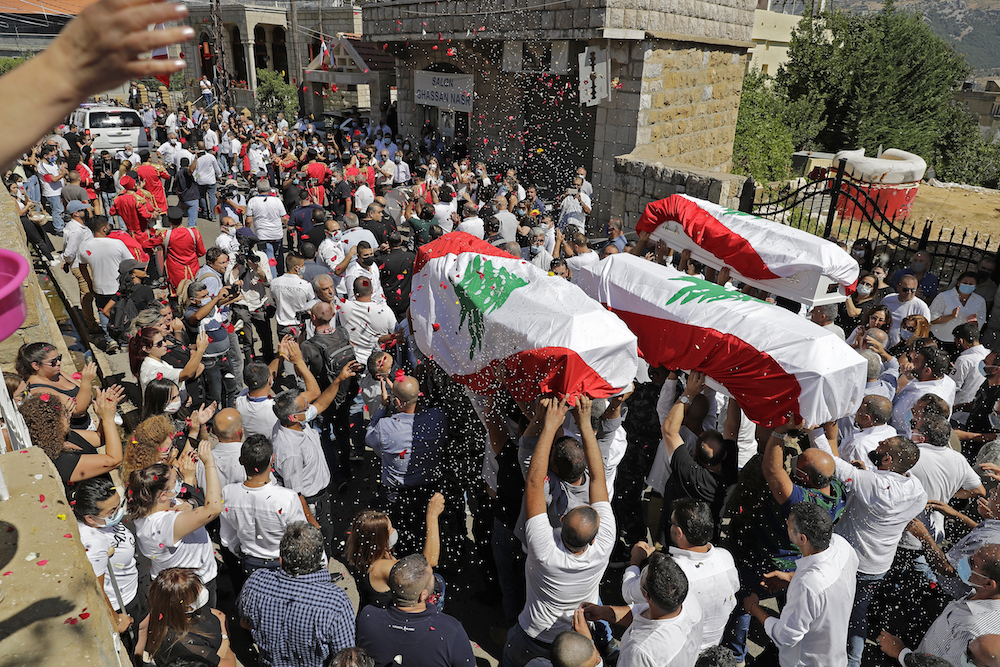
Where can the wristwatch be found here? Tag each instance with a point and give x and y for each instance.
(686, 400)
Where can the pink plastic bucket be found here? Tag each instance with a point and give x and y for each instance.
(13, 309)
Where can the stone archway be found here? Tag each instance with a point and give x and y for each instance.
(239, 57)
(280, 52)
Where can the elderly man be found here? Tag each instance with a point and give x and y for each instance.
(825, 316)
(297, 615)
(812, 627)
(616, 234)
(267, 217)
(227, 426)
(413, 631)
(930, 368)
(903, 304)
(872, 417)
(536, 252)
(962, 621)
(562, 572)
(920, 268)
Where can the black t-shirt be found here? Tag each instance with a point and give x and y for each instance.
(689, 479)
(290, 197)
(73, 139)
(177, 355)
(203, 640)
(399, 262)
(982, 406)
(339, 197)
(67, 461)
(425, 639)
(379, 229)
(187, 188)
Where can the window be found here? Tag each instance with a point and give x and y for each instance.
(114, 119)
(763, 69)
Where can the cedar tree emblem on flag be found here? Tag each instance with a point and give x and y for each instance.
(483, 289)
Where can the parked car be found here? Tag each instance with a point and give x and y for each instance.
(111, 127)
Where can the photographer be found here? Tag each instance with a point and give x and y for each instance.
(204, 315)
(51, 174)
(575, 206)
(291, 296)
(232, 202)
(248, 269)
(213, 274)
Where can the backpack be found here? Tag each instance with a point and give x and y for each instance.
(336, 351)
(122, 314)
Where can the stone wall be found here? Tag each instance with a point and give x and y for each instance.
(406, 20)
(639, 178)
(40, 324)
(54, 611)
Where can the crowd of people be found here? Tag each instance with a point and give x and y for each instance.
(269, 360)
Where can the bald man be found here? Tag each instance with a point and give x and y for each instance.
(408, 440)
(228, 428)
(985, 651)
(760, 534)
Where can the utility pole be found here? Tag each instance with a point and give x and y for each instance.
(321, 36)
(296, 56)
(223, 80)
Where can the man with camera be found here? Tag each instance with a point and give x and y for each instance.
(215, 274)
(51, 175)
(208, 314)
(206, 174)
(291, 296)
(575, 206)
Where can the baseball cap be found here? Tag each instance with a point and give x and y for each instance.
(129, 265)
(75, 206)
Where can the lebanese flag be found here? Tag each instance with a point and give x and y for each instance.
(474, 307)
(161, 54)
(770, 360)
(753, 247)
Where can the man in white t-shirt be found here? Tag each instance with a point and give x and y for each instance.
(103, 256)
(903, 304)
(363, 195)
(256, 406)
(445, 207)
(367, 322)
(564, 568)
(930, 366)
(363, 267)
(965, 373)
(471, 222)
(267, 217)
(51, 177)
(575, 206)
(291, 296)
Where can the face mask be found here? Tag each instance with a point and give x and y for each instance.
(982, 368)
(204, 302)
(984, 275)
(115, 518)
(172, 407)
(200, 602)
(465, 167)
(965, 662)
(173, 142)
(905, 334)
(406, 147)
(864, 290)
(398, 159)
(535, 250)
(366, 261)
(995, 421)
(479, 172)
(965, 288)
(522, 211)
(875, 458)
(393, 538)
(917, 266)
(858, 253)
(310, 413)
(964, 570)
(52, 159)
(178, 486)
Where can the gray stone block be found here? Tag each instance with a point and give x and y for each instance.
(662, 190)
(634, 185)
(632, 204)
(715, 191)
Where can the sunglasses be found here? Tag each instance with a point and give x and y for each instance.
(160, 343)
(907, 289)
(55, 361)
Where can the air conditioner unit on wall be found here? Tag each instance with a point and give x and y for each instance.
(536, 57)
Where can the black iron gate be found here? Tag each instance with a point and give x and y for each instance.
(837, 209)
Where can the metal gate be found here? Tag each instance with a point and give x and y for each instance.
(838, 210)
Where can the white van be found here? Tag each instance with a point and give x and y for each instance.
(111, 127)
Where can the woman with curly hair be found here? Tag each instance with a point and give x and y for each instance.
(370, 557)
(40, 364)
(75, 454)
(151, 443)
(183, 623)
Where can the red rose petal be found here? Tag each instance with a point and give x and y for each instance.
(70, 535)
(45, 397)
(71, 621)
(41, 562)
(159, 376)
(77, 376)
(85, 615)
(41, 498)
(436, 326)
(272, 262)
(7, 574)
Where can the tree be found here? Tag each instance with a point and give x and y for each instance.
(7, 64)
(762, 148)
(274, 95)
(874, 79)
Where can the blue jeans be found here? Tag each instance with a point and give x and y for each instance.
(223, 161)
(207, 196)
(275, 250)
(857, 630)
(33, 189)
(56, 208)
(220, 383)
(192, 212)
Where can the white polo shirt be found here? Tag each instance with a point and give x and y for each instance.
(856, 446)
(291, 295)
(945, 303)
(227, 462)
(901, 310)
(965, 374)
(365, 322)
(906, 397)
(255, 518)
(669, 642)
(96, 542)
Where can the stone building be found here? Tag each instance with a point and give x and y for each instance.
(983, 104)
(506, 75)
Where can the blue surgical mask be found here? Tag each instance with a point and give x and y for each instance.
(905, 334)
(864, 290)
(178, 486)
(995, 421)
(964, 570)
(982, 368)
(965, 288)
(311, 413)
(114, 519)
